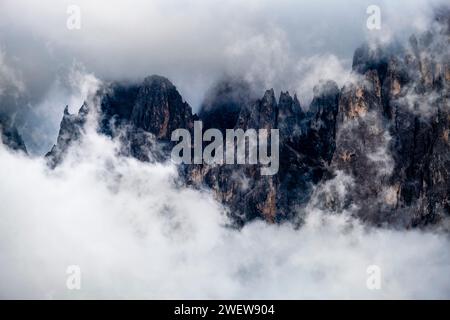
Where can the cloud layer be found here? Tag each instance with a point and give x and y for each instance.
(135, 234)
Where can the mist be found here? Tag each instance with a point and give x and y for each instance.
(135, 234)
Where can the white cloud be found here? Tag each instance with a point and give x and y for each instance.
(135, 235)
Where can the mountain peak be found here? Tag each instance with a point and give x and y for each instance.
(157, 81)
(269, 96)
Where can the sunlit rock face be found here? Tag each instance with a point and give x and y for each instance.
(385, 133)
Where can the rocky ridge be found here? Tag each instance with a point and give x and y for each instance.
(387, 132)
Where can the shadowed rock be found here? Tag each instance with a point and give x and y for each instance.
(9, 135)
(383, 139)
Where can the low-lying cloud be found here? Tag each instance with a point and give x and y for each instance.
(136, 234)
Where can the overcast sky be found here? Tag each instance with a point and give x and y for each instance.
(288, 45)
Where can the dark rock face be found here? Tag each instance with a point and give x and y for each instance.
(70, 131)
(142, 114)
(9, 135)
(154, 106)
(304, 154)
(393, 133)
(386, 132)
(137, 115)
(159, 108)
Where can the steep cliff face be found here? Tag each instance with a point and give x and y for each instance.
(386, 132)
(70, 131)
(242, 187)
(142, 116)
(306, 146)
(154, 106)
(393, 132)
(159, 108)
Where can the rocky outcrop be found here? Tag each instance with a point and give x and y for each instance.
(142, 116)
(305, 150)
(393, 133)
(383, 138)
(10, 136)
